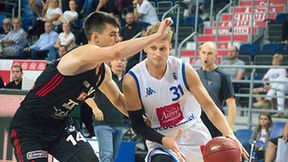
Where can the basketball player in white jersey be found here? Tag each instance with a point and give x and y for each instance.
(170, 93)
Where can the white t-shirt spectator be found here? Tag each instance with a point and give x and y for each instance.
(148, 11)
(275, 74)
(51, 11)
(68, 15)
(64, 41)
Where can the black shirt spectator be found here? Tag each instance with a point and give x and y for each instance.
(17, 74)
(127, 32)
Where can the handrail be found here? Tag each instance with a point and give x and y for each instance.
(14, 5)
(232, 28)
(196, 28)
(217, 20)
(211, 13)
(19, 9)
(250, 98)
(176, 6)
(184, 41)
(252, 22)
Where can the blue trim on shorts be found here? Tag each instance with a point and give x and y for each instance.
(137, 82)
(161, 149)
(184, 75)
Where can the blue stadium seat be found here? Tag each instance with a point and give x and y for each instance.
(126, 152)
(272, 48)
(277, 129)
(243, 135)
(2, 17)
(249, 49)
(281, 17)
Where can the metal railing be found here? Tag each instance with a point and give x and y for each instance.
(251, 83)
(171, 10)
(14, 5)
(218, 19)
(179, 49)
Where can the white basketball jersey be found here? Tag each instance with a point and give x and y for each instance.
(167, 101)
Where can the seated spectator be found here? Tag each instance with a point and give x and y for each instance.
(17, 74)
(261, 134)
(35, 7)
(145, 12)
(109, 7)
(271, 149)
(6, 27)
(272, 89)
(65, 38)
(62, 50)
(43, 45)
(70, 15)
(52, 14)
(127, 32)
(88, 7)
(14, 42)
(234, 73)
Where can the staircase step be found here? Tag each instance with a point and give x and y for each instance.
(240, 38)
(240, 24)
(246, 9)
(260, 16)
(227, 30)
(262, 2)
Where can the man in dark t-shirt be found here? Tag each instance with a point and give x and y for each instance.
(41, 124)
(217, 84)
(17, 74)
(128, 32)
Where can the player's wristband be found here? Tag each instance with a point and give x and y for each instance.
(140, 127)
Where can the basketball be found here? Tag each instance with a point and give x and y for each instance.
(221, 149)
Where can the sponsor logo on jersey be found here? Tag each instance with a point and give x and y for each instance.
(86, 84)
(37, 154)
(164, 128)
(149, 91)
(170, 114)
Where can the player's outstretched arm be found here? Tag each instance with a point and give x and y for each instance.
(123, 49)
(209, 107)
(110, 89)
(134, 108)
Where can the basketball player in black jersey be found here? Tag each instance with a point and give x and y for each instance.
(41, 126)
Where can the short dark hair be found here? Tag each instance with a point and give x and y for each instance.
(18, 66)
(97, 21)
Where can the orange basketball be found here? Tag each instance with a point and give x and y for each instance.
(221, 149)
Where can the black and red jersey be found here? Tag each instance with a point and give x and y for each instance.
(54, 95)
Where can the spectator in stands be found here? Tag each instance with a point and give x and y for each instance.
(271, 149)
(14, 42)
(71, 15)
(17, 74)
(218, 85)
(40, 49)
(272, 89)
(123, 5)
(66, 38)
(109, 123)
(234, 73)
(88, 7)
(145, 12)
(6, 27)
(52, 14)
(109, 7)
(35, 7)
(261, 134)
(127, 32)
(62, 50)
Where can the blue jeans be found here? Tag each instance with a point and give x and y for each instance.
(109, 139)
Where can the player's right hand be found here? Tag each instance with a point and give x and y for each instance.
(171, 142)
(164, 27)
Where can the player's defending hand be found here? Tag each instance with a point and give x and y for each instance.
(244, 153)
(163, 28)
(171, 142)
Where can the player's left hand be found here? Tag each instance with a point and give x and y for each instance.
(244, 153)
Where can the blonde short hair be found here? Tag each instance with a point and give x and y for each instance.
(154, 28)
(278, 56)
